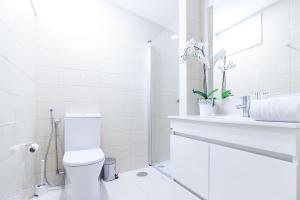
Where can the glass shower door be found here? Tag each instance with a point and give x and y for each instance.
(164, 97)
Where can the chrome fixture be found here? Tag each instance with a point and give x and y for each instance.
(57, 143)
(149, 103)
(259, 95)
(33, 147)
(245, 106)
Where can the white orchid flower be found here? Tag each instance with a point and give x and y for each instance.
(200, 45)
(226, 67)
(197, 51)
(230, 65)
(191, 43)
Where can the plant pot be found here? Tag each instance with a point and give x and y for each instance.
(227, 107)
(221, 107)
(206, 107)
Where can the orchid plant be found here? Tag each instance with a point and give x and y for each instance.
(198, 51)
(209, 96)
(220, 59)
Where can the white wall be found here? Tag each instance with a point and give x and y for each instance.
(165, 93)
(272, 66)
(295, 39)
(191, 25)
(17, 97)
(91, 57)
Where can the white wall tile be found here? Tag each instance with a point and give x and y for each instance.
(81, 78)
(81, 93)
(49, 92)
(17, 97)
(49, 75)
(95, 65)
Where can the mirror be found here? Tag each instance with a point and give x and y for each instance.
(262, 43)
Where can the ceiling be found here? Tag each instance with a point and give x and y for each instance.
(162, 12)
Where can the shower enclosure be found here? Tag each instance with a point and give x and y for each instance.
(163, 97)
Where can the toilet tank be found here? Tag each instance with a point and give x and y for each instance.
(82, 131)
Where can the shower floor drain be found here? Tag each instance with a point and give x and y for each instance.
(142, 174)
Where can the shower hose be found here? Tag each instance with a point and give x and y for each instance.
(53, 130)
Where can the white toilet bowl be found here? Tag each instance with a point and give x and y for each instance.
(83, 169)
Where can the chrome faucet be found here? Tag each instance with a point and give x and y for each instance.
(245, 106)
(261, 94)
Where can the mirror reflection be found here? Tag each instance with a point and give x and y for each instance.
(259, 42)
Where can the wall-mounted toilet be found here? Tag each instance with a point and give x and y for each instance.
(83, 158)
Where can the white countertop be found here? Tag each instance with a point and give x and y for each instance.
(236, 120)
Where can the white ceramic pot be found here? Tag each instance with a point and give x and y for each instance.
(222, 107)
(228, 106)
(206, 107)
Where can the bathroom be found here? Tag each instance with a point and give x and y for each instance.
(167, 100)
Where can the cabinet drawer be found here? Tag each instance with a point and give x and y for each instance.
(239, 175)
(190, 162)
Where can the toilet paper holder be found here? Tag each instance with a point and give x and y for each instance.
(30, 147)
(33, 147)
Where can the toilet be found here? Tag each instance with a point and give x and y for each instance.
(83, 158)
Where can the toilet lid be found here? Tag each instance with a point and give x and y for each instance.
(83, 157)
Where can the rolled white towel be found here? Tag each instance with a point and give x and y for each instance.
(279, 109)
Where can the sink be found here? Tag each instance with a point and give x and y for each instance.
(227, 107)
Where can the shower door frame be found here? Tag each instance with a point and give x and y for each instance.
(149, 104)
(149, 111)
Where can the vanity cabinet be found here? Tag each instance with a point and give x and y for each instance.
(239, 175)
(236, 160)
(190, 164)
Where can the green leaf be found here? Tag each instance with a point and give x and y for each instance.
(226, 94)
(212, 92)
(202, 94)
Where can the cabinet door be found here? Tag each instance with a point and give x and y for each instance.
(239, 175)
(189, 162)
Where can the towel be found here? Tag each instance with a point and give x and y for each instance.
(279, 109)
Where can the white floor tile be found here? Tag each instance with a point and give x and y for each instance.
(131, 187)
(164, 167)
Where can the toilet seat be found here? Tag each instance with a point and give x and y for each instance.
(83, 157)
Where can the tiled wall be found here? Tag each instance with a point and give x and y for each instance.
(295, 39)
(17, 98)
(191, 25)
(272, 66)
(94, 61)
(164, 78)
